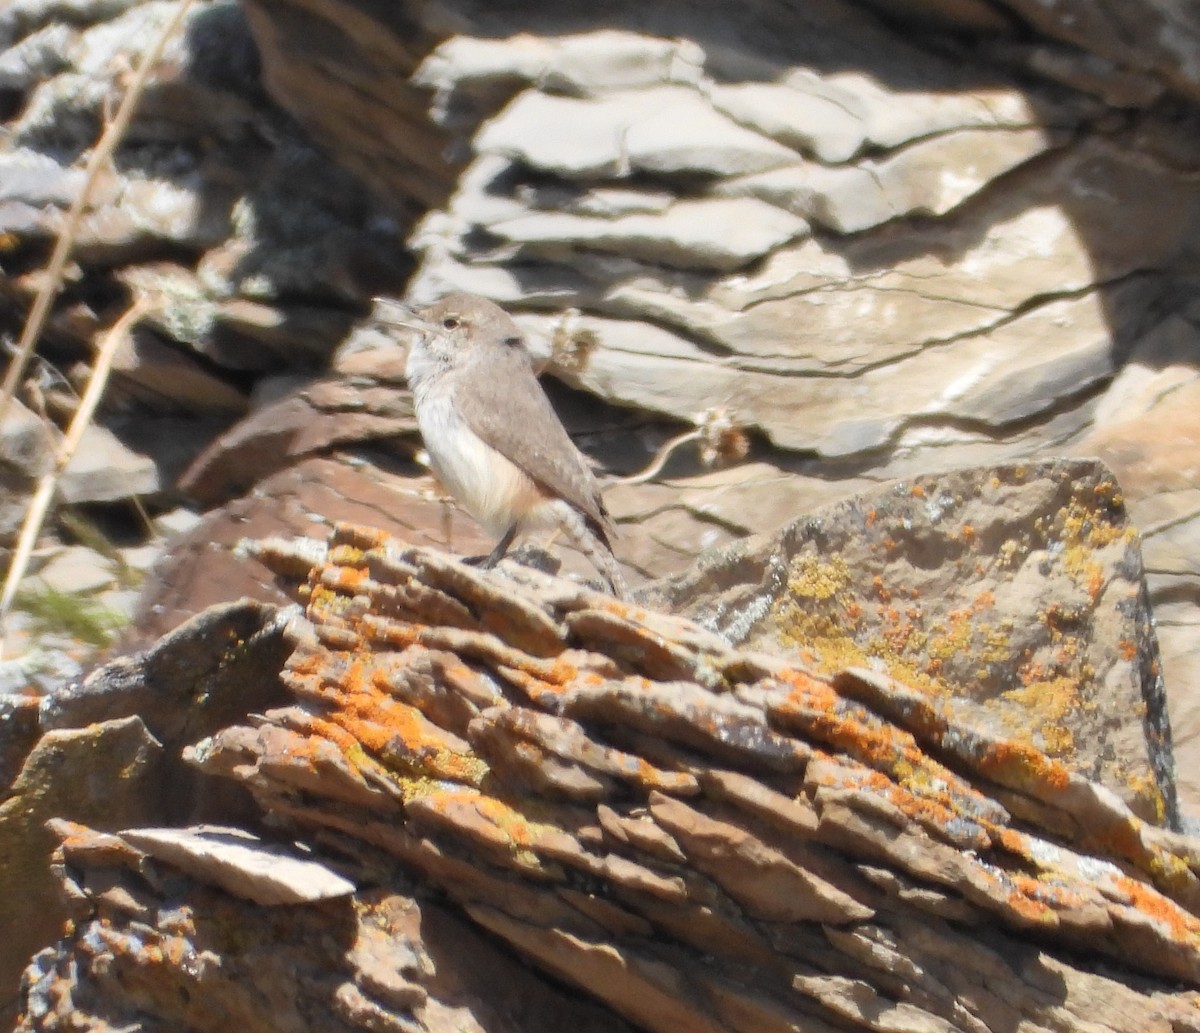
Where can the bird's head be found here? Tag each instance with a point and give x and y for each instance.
(451, 331)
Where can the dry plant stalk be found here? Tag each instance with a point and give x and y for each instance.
(722, 440)
(660, 459)
(104, 149)
(40, 503)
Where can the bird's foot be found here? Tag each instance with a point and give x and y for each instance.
(496, 555)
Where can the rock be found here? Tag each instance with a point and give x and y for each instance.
(1158, 35)
(37, 179)
(930, 177)
(38, 56)
(791, 341)
(140, 558)
(754, 838)
(37, 660)
(807, 114)
(620, 134)
(665, 526)
(595, 62)
(120, 604)
(179, 690)
(104, 470)
(393, 960)
(1017, 591)
(1117, 87)
(1151, 439)
(201, 209)
(26, 444)
(18, 732)
(106, 774)
(1001, 216)
(176, 522)
(240, 864)
(179, 685)
(863, 410)
(312, 419)
(77, 570)
(26, 453)
(890, 118)
(374, 89)
(166, 378)
(105, 750)
(203, 567)
(1000, 269)
(715, 235)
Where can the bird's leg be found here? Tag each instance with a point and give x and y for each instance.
(497, 554)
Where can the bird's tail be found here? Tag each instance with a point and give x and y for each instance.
(592, 541)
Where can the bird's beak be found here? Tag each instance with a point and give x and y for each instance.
(389, 312)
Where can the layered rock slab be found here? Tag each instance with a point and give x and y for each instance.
(698, 835)
(1017, 595)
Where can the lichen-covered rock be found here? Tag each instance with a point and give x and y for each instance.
(106, 772)
(160, 950)
(893, 245)
(1017, 595)
(697, 835)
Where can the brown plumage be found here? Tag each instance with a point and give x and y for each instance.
(493, 438)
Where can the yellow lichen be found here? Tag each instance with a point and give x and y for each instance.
(815, 578)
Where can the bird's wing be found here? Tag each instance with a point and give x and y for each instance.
(502, 401)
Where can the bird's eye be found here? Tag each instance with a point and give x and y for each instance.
(451, 322)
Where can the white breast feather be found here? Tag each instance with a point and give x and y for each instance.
(493, 490)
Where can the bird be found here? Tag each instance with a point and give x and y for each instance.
(492, 436)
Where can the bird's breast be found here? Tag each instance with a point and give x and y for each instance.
(489, 486)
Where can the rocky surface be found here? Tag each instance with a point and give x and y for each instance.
(1015, 594)
(891, 256)
(883, 249)
(104, 751)
(874, 242)
(889, 251)
(695, 835)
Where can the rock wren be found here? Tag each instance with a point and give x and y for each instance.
(494, 440)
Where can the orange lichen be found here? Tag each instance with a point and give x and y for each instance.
(539, 690)
(1182, 927)
(360, 536)
(918, 491)
(912, 780)
(1024, 767)
(490, 821)
(821, 616)
(364, 716)
(1014, 842)
(345, 579)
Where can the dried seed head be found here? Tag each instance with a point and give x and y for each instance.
(722, 440)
